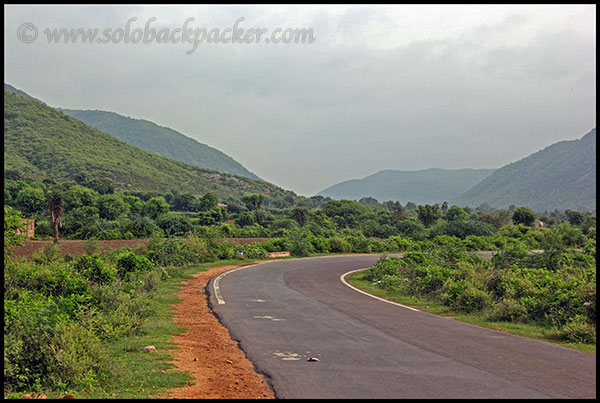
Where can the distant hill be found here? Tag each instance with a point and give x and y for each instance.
(154, 138)
(41, 142)
(421, 187)
(561, 176)
(160, 140)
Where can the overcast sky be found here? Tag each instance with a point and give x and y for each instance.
(380, 87)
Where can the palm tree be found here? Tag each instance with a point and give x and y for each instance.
(56, 210)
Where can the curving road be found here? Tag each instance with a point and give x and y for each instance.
(287, 311)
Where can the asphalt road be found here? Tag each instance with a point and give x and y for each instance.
(287, 311)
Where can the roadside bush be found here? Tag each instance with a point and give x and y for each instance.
(399, 243)
(78, 358)
(433, 279)
(253, 250)
(300, 242)
(94, 269)
(339, 245)
(130, 263)
(508, 310)
(320, 244)
(378, 246)
(577, 330)
(386, 266)
(471, 299)
(358, 243)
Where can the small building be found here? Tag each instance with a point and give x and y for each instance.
(539, 224)
(27, 227)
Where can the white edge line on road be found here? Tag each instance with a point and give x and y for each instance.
(342, 277)
(218, 295)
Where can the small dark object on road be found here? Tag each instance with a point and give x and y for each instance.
(313, 359)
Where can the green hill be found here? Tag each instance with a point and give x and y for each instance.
(41, 142)
(16, 91)
(423, 186)
(561, 176)
(160, 140)
(154, 138)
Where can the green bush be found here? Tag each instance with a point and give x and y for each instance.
(508, 310)
(577, 330)
(339, 245)
(471, 299)
(78, 358)
(131, 263)
(253, 250)
(50, 253)
(94, 269)
(386, 266)
(434, 279)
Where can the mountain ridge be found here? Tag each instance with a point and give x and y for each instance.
(432, 185)
(560, 176)
(43, 143)
(152, 137)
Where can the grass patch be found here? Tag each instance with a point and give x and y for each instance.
(436, 308)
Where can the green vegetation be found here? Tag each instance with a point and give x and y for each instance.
(44, 144)
(551, 294)
(423, 186)
(561, 176)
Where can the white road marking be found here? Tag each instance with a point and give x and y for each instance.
(268, 317)
(287, 356)
(218, 295)
(342, 277)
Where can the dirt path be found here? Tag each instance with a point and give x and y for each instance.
(206, 351)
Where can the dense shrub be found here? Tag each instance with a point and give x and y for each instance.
(132, 263)
(339, 245)
(94, 269)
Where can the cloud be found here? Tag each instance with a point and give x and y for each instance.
(384, 87)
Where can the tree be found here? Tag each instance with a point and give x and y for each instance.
(174, 224)
(455, 213)
(575, 217)
(12, 221)
(410, 206)
(246, 218)
(524, 215)
(56, 210)
(253, 202)
(209, 202)
(77, 196)
(428, 214)
(111, 206)
(300, 214)
(186, 202)
(100, 185)
(444, 207)
(155, 207)
(300, 244)
(30, 200)
(369, 201)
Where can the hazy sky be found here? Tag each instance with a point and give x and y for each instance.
(380, 87)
